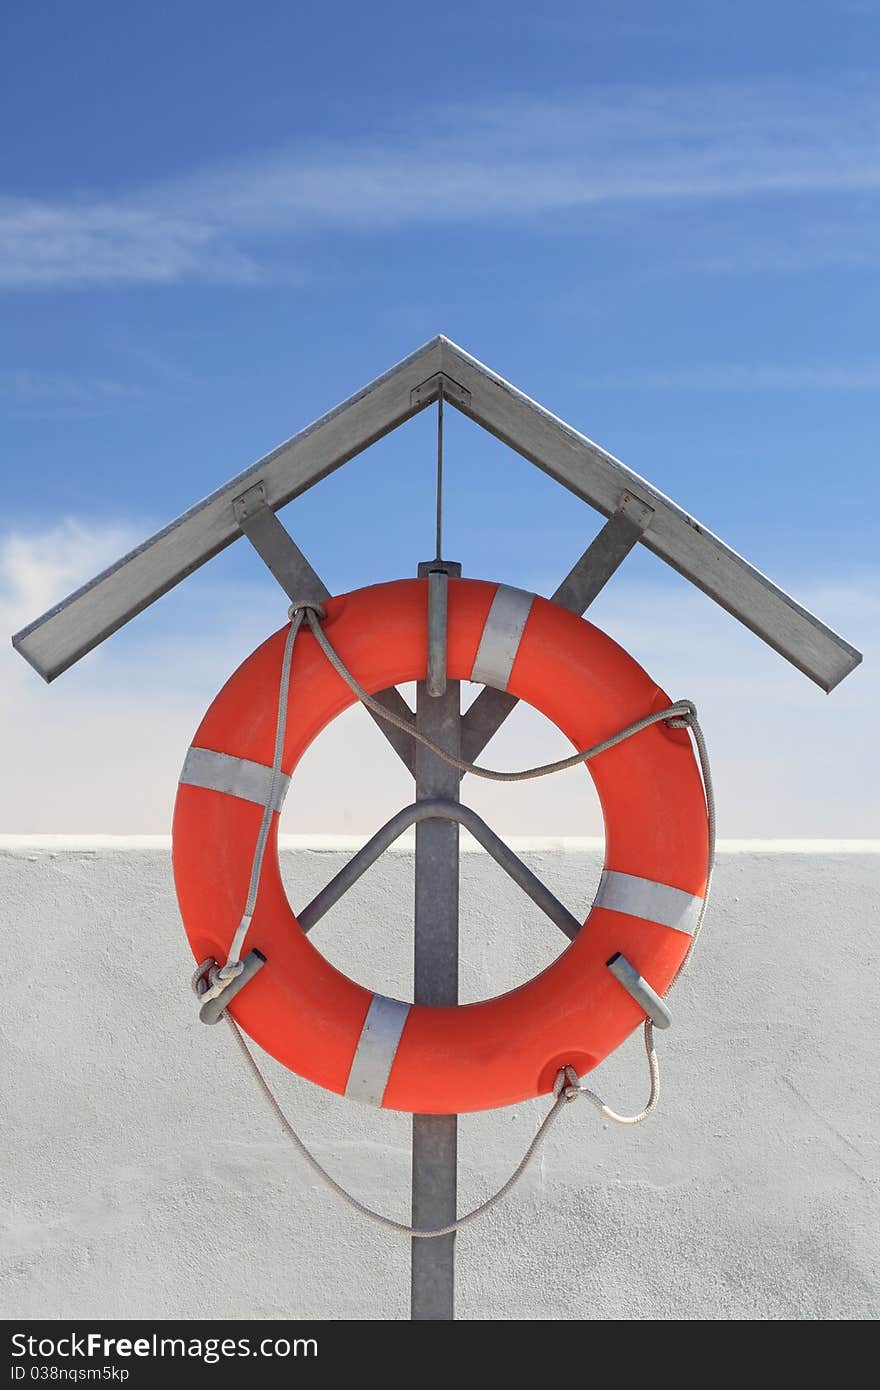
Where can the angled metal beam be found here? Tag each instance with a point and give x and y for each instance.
(580, 586)
(600, 479)
(64, 634)
(403, 746)
(83, 620)
(281, 554)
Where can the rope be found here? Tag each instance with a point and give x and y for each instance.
(692, 723)
(219, 979)
(440, 471)
(572, 1087)
(682, 710)
(567, 1087)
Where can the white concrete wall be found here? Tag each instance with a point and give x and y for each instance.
(144, 1177)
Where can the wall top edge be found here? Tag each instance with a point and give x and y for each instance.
(523, 844)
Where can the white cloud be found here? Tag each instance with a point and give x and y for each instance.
(102, 242)
(745, 376)
(100, 750)
(740, 245)
(53, 395)
(40, 567)
(610, 146)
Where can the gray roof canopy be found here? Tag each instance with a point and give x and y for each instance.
(60, 637)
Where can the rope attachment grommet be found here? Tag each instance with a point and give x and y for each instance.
(567, 1085)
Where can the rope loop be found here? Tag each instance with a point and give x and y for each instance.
(200, 980)
(307, 606)
(567, 1087)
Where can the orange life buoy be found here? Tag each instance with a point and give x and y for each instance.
(326, 1027)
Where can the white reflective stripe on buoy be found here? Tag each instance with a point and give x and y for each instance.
(655, 902)
(221, 772)
(376, 1050)
(501, 637)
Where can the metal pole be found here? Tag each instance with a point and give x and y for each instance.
(435, 1137)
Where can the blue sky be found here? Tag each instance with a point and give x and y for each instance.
(216, 221)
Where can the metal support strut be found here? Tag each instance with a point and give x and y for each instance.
(280, 554)
(435, 1137)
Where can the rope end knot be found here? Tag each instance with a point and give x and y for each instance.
(685, 715)
(211, 979)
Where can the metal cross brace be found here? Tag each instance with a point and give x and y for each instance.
(441, 808)
(579, 588)
(280, 553)
(437, 818)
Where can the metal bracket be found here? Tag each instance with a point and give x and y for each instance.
(249, 503)
(438, 574)
(439, 808)
(438, 594)
(646, 997)
(213, 1009)
(429, 390)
